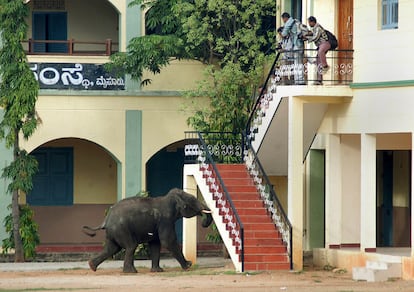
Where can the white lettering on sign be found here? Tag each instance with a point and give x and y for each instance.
(55, 76)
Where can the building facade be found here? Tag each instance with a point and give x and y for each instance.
(102, 137)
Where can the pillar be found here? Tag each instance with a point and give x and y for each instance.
(190, 224)
(333, 200)
(368, 193)
(295, 178)
(411, 198)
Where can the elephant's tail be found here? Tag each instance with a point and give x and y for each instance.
(91, 231)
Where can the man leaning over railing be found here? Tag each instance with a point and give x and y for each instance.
(290, 29)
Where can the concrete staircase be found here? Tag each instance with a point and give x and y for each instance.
(377, 271)
(263, 245)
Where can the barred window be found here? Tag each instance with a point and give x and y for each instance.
(389, 19)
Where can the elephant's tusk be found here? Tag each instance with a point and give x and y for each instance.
(207, 211)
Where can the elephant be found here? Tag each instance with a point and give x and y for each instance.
(150, 220)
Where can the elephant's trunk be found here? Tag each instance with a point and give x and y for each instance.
(207, 218)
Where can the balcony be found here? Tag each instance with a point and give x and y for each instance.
(300, 67)
(70, 47)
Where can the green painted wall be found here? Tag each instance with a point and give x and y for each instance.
(6, 155)
(133, 29)
(133, 158)
(317, 199)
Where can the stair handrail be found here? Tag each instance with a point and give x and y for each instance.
(206, 150)
(258, 102)
(272, 203)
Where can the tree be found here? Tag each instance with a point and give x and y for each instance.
(233, 36)
(18, 95)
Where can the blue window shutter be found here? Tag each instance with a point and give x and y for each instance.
(39, 31)
(53, 184)
(50, 26)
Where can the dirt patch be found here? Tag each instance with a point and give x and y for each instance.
(200, 279)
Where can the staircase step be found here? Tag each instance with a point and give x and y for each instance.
(262, 241)
(232, 167)
(376, 271)
(266, 266)
(242, 204)
(251, 211)
(276, 249)
(243, 193)
(265, 258)
(242, 189)
(254, 219)
(263, 227)
(259, 234)
(231, 181)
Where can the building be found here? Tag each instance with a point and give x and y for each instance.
(340, 155)
(102, 137)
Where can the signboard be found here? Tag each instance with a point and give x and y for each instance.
(76, 76)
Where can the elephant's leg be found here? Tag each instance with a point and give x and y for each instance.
(172, 245)
(155, 249)
(129, 259)
(109, 250)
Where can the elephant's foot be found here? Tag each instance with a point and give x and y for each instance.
(187, 265)
(129, 270)
(157, 270)
(92, 265)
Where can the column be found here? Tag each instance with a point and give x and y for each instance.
(411, 195)
(190, 224)
(295, 178)
(368, 193)
(333, 199)
(133, 152)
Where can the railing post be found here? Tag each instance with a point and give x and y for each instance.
(30, 46)
(71, 46)
(108, 47)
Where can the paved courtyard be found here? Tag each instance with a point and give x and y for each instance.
(208, 274)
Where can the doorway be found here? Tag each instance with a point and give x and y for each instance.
(393, 198)
(50, 26)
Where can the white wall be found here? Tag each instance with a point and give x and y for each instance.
(351, 188)
(382, 55)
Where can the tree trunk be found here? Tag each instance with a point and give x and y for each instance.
(18, 245)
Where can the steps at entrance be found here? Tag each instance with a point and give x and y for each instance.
(377, 271)
(263, 245)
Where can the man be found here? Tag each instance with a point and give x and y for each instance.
(290, 30)
(320, 38)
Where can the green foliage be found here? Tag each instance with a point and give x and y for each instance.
(232, 93)
(20, 172)
(28, 231)
(18, 86)
(214, 235)
(18, 95)
(215, 32)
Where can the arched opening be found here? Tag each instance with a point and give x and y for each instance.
(164, 171)
(75, 185)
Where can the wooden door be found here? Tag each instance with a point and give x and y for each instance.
(345, 37)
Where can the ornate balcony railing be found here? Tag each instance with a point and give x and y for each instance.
(70, 47)
(302, 67)
(207, 149)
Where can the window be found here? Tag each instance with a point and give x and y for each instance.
(389, 19)
(53, 184)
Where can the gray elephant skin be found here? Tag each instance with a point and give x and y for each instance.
(149, 220)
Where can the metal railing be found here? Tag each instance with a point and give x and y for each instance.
(269, 197)
(70, 47)
(207, 149)
(302, 67)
